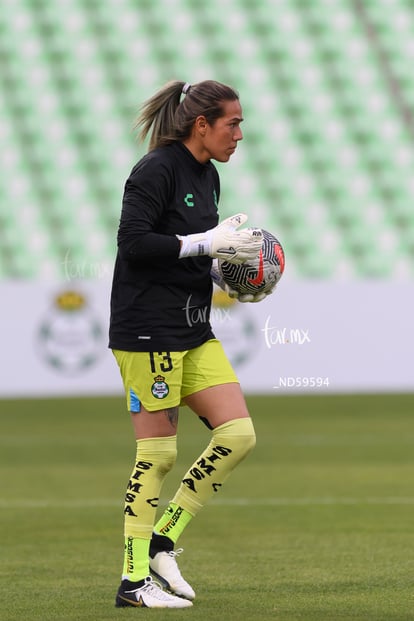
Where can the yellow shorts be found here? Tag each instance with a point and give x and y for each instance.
(160, 380)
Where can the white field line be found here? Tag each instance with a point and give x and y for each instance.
(225, 502)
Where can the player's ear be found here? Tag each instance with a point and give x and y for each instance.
(200, 125)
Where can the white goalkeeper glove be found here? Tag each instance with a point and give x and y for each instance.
(224, 241)
(232, 293)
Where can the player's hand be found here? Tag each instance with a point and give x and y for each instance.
(224, 241)
(235, 246)
(247, 297)
(232, 293)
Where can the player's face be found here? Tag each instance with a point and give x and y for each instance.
(220, 140)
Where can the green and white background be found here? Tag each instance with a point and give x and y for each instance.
(327, 164)
(317, 525)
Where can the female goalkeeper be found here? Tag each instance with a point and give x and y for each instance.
(160, 332)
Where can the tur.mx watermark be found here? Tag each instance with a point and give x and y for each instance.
(196, 314)
(75, 270)
(284, 336)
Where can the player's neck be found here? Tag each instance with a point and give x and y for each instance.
(197, 150)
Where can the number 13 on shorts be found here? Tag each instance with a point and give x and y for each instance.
(160, 361)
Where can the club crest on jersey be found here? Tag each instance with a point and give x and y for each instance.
(160, 388)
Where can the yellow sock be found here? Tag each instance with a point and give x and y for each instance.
(155, 458)
(136, 559)
(172, 522)
(230, 444)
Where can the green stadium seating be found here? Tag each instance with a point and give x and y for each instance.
(327, 90)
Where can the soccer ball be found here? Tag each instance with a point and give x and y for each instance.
(257, 276)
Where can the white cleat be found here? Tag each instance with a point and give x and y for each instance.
(149, 595)
(165, 569)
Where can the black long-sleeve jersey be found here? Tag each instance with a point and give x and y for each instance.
(158, 301)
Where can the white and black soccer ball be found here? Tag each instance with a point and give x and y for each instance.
(257, 276)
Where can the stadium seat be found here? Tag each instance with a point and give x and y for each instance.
(327, 90)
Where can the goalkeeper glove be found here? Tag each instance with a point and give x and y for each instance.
(224, 241)
(232, 293)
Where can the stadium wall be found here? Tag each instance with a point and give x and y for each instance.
(319, 336)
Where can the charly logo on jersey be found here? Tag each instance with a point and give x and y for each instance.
(189, 200)
(160, 388)
(70, 338)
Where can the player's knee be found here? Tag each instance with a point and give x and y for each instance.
(158, 453)
(239, 435)
(249, 437)
(167, 461)
(164, 459)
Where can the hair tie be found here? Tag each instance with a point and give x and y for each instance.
(186, 88)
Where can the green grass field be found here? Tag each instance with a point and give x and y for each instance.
(317, 523)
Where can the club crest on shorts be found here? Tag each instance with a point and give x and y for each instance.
(160, 388)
